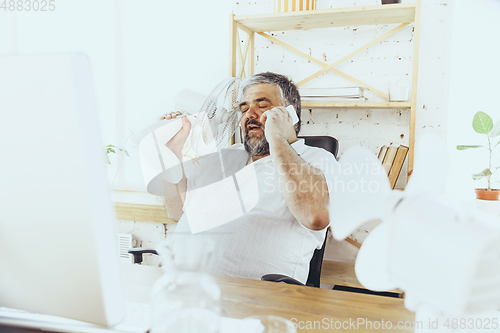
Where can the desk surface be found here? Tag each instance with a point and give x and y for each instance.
(243, 298)
(302, 305)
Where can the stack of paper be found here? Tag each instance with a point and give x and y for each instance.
(339, 94)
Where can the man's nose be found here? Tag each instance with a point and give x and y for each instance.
(252, 113)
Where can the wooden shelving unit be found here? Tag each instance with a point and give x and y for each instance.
(364, 105)
(242, 58)
(329, 18)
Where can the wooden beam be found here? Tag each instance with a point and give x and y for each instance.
(350, 55)
(251, 64)
(240, 54)
(353, 242)
(232, 45)
(336, 71)
(245, 29)
(360, 105)
(413, 110)
(245, 53)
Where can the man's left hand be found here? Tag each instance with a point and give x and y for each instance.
(278, 125)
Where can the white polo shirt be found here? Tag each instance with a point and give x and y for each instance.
(247, 217)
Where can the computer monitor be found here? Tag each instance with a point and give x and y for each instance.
(57, 247)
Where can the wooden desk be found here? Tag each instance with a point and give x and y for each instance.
(243, 298)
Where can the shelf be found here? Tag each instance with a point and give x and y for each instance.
(142, 212)
(363, 105)
(328, 18)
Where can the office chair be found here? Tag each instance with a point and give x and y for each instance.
(328, 143)
(313, 279)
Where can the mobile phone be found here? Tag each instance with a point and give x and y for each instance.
(293, 114)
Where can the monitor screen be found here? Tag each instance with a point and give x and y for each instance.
(57, 247)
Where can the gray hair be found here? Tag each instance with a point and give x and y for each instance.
(289, 92)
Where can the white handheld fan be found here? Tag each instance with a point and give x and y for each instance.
(218, 118)
(212, 126)
(446, 258)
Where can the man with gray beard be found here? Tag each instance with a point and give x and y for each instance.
(279, 230)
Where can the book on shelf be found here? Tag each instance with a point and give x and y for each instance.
(389, 158)
(381, 153)
(397, 165)
(353, 92)
(392, 159)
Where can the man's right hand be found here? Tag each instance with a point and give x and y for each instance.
(177, 142)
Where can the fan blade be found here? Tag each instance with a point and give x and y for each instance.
(431, 166)
(189, 101)
(219, 115)
(359, 192)
(372, 262)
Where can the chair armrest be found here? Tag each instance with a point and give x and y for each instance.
(138, 252)
(280, 278)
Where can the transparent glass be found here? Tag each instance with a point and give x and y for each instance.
(186, 299)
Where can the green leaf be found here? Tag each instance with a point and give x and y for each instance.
(485, 173)
(464, 147)
(111, 150)
(497, 144)
(482, 123)
(126, 153)
(477, 176)
(495, 131)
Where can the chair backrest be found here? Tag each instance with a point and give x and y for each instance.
(326, 142)
(332, 145)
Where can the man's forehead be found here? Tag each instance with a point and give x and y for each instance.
(261, 90)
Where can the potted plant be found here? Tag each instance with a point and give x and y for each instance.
(112, 149)
(483, 124)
